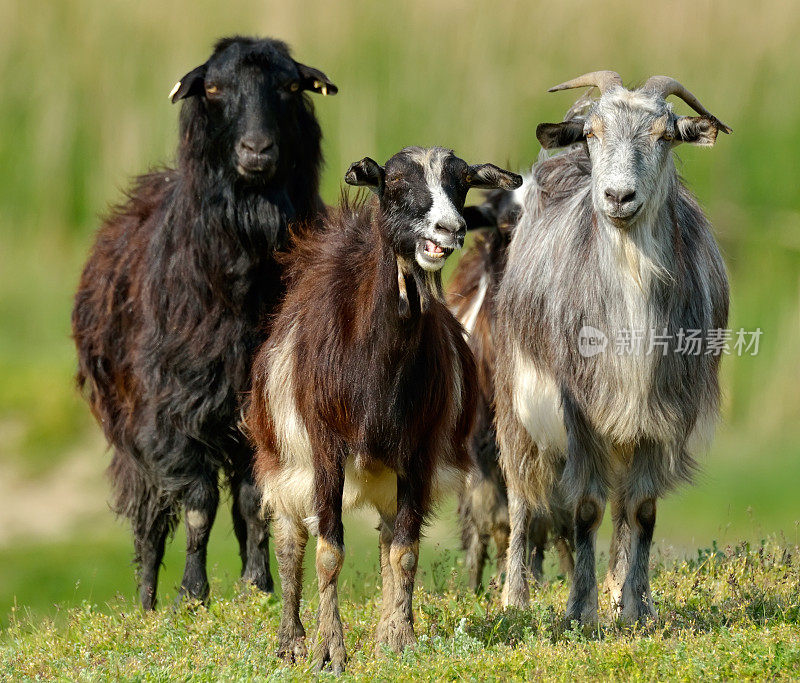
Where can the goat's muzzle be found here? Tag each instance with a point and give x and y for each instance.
(256, 155)
(434, 247)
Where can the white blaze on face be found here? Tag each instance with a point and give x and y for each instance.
(442, 208)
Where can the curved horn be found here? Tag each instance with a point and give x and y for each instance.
(666, 86)
(603, 80)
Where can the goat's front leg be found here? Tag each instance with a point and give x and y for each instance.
(200, 508)
(329, 487)
(149, 540)
(583, 477)
(291, 536)
(644, 484)
(637, 601)
(515, 591)
(582, 601)
(412, 495)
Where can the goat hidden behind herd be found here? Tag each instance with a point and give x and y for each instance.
(227, 321)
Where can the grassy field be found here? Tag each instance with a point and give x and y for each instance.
(84, 107)
(727, 613)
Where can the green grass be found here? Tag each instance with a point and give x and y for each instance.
(746, 491)
(732, 612)
(39, 579)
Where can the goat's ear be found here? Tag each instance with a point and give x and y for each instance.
(491, 177)
(563, 134)
(480, 216)
(697, 130)
(314, 80)
(191, 84)
(366, 172)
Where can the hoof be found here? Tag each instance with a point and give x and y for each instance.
(196, 592)
(262, 581)
(585, 614)
(398, 634)
(293, 650)
(515, 599)
(634, 612)
(191, 603)
(329, 652)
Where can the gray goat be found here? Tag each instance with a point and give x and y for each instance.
(611, 266)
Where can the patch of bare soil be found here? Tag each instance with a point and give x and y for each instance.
(73, 493)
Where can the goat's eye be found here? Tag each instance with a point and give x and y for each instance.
(589, 134)
(294, 86)
(212, 90)
(669, 137)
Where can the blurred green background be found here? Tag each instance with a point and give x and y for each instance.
(84, 107)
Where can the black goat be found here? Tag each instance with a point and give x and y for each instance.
(173, 299)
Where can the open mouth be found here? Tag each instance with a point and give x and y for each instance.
(434, 251)
(431, 255)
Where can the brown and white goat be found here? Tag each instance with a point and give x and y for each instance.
(361, 395)
(610, 245)
(483, 502)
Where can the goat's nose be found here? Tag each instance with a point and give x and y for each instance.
(620, 197)
(454, 226)
(257, 144)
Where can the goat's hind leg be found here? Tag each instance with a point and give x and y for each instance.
(200, 509)
(252, 531)
(149, 538)
(537, 540)
(500, 534)
(619, 555)
(386, 534)
(291, 536)
(515, 591)
(476, 545)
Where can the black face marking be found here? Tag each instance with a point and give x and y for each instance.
(422, 193)
(423, 198)
(251, 94)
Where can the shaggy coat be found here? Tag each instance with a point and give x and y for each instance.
(593, 256)
(387, 397)
(363, 393)
(483, 504)
(173, 300)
